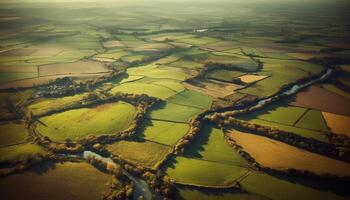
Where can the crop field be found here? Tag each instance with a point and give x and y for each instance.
(338, 124)
(47, 183)
(337, 104)
(198, 100)
(282, 156)
(77, 123)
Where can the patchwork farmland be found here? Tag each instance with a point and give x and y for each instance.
(170, 100)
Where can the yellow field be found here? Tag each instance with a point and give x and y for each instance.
(339, 124)
(112, 43)
(280, 156)
(251, 78)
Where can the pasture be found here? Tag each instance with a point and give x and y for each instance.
(145, 154)
(163, 132)
(74, 124)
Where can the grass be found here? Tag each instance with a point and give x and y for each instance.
(153, 71)
(13, 132)
(275, 188)
(224, 75)
(13, 76)
(191, 193)
(191, 98)
(200, 172)
(216, 89)
(282, 72)
(313, 119)
(20, 151)
(298, 131)
(45, 182)
(163, 132)
(282, 156)
(137, 87)
(77, 123)
(278, 113)
(51, 104)
(210, 145)
(146, 154)
(174, 112)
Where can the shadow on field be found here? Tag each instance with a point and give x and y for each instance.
(44, 167)
(197, 146)
(337, 186)
(215, 193)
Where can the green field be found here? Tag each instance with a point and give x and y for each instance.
(174, 112)
(275, 188)
(163, 132)
(283, 114)
(151, 89)
(153, 84)
(191, 98)
(297, 120)
(199, 172)
(313, 120)
(12, 76)
(190, 193)
(298, 131)
(78, 123)
(145, 154)
(282, 73)
(210, 145)
(224, 75)
(46, 105)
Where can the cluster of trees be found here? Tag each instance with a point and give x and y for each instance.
(195, 125)
(341, 152)
(241, 152)
(160, 184)
(60, 87)
(68, 147)
(103, 165)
